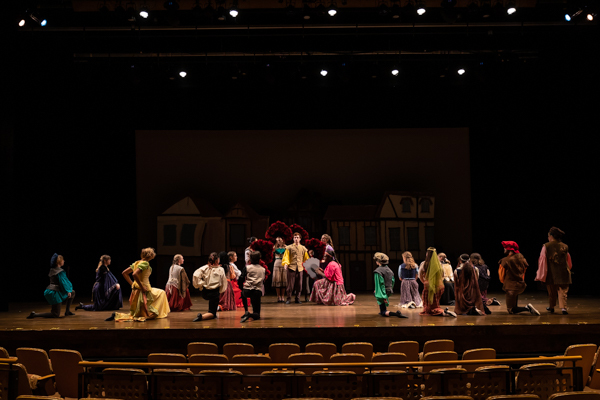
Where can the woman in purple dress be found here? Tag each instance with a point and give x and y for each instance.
(106, 293)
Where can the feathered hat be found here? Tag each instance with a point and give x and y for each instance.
(279, 229)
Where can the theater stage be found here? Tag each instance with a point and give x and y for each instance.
(304, 323)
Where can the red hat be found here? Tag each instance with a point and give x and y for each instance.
(508, 245)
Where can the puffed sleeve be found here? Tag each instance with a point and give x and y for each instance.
(65, 283)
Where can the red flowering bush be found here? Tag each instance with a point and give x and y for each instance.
(279, 229)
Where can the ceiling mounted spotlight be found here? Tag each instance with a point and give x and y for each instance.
(182, 74)
(421, 7)
(21, 21)
(511, 8)
(572, 13)
(461, 71)
(395, 71)
(233, 11)
(306, 12)
(37, 18)
(221, 14)
(591, 16)
(332, 11)
(144, 13)
(323, 72)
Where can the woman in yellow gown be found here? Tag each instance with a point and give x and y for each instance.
(145, 302)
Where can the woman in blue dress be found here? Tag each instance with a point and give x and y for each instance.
(106, 293)
(58, 291)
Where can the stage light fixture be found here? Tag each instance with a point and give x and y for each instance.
(591, 16)
(221, 14)
(37, 18)
(182, 74)
(323, 72)
(22, 22)
(306, 12)
(421, 7)
(332, 11)
(571, 13)
(511, 8)
(395, 72)
(461, 71)
(144, 12)
(233, 11)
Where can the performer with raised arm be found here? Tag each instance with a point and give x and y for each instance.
(293, 259)
(280, 234)
(512, 275)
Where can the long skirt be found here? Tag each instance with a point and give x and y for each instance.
(331, 294)
(448, 297)
(432, 308)
(105, 295)
(176, 302)
(145, 305)
(409, 291)
(279, 275)
(227, 298)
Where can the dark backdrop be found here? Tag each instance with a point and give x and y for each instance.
(69, 150)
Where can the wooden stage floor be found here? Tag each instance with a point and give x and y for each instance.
(305, 323)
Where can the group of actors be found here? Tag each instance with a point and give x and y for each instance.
(226, 286)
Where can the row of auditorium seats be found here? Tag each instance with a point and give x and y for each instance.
(59, 372)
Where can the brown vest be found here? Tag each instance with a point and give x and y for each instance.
(296, 257)
(514, 266)
(558, 269)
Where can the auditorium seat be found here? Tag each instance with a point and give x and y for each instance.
(587, 353)
(347, 358)
(202, 348)
(514, 397)
(33, 397)
(279, 352)
(594, 381)
(3, 353)
(334, 385)
(306, 358)
(175, 384)
(170, 358)
(326, 349)
(231, 349)
(436, 345)
(65, 364)
(26, 387)
(542, 379)
(364, 348)
(37, 362)
(447, 398)
(575, 396)
(122, 383)
(438, 356)
(477, 354)
(389, 357)
(252, 359)
(206, 358)
(410, 348)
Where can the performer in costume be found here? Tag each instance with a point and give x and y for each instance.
(293, 259)
(330, 290)
(255, 277)
(237, 292)
(484, 279)
(430, 273)
(177, 289)
(251, 240)
(60, 290)
(409, 288)
(468, 296)
(279, 281)
(146, 302)
(227, 298)
(106, 293)
(384, 284)
(448, 295)
(512, 273)
(211, 281)
(554, 268)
